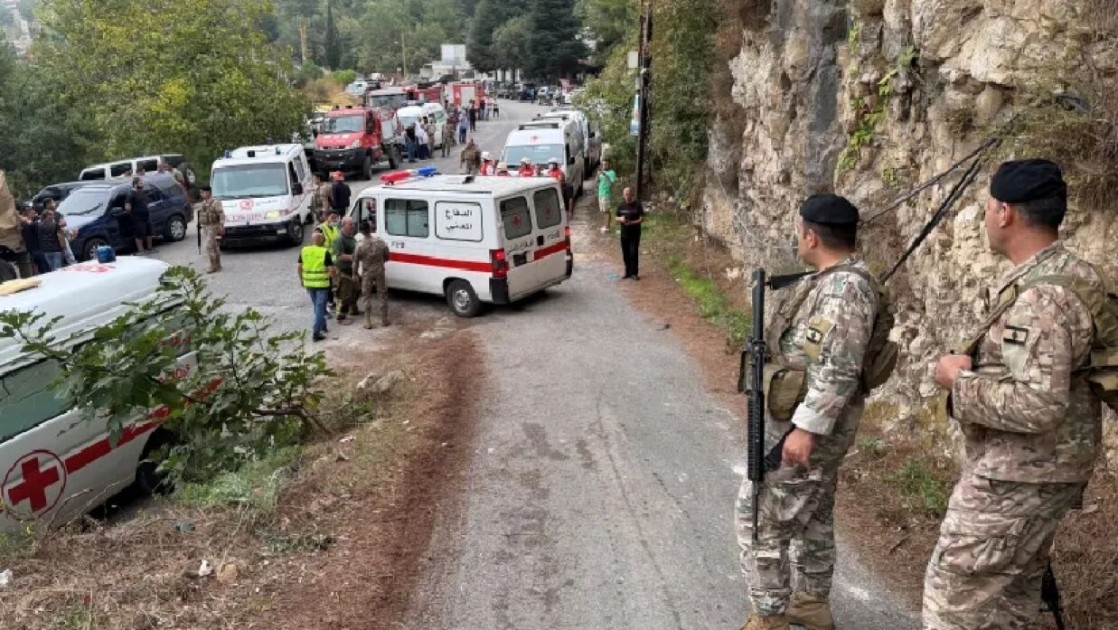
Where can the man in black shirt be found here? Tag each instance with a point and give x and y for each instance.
(339, 194)
(29, 224)
(136, 206)
(630, 214)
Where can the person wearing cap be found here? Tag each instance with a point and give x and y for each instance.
(1031, 425)
(503, 170)
(211, 226)
(553, 170)
(487, 166)
(818, 337)
(526, 169)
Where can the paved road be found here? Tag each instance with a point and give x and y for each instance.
(264, 277)
(601, 490)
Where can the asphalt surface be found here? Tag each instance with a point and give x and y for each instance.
(600, 493)
(264, 277)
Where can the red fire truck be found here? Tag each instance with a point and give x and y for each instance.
(462, 92)
(354, 139)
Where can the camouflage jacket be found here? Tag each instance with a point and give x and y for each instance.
(371, 254)
(471, 156)
(1025, 416)
(321, 197)
(827, 338)
(211, 214)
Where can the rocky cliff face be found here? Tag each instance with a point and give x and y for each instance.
(869, 98)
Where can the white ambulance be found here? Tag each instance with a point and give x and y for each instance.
(266, 193)
(471, 239)
(543, 140)
(57, 463)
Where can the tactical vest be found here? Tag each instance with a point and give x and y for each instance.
(1100, 368)
(786, 386)
(315, 274)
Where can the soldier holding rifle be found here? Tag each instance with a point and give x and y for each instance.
(809, 363)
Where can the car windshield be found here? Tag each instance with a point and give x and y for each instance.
(537, 153)
(387, 100)
(249, 180)
(408, 121)
(344, 124)
(85, 202)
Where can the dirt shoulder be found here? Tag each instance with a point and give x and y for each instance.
(894, 487)
(339, 547)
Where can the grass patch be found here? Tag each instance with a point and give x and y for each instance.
(255, 486)
(712, 302)
(921, 490)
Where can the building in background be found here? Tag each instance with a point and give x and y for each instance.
(453, 63)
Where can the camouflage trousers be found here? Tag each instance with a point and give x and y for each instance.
(796, 538)
(374, 287)
(210, 246)
(986, 570)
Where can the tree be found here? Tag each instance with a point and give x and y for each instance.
(333, 40)
(167, 75)
(488, 17)
(247, 393)
(44, 140)
(609, 23)
(557, 49)
(510, 42)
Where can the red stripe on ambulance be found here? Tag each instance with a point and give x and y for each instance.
(555, 248)
(446, 263)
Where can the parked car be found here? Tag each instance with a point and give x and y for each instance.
(57, 192)
(96, 212)
(120, 168)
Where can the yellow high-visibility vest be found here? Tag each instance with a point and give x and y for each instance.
(315, 274)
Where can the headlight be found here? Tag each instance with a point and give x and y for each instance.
(356, 144)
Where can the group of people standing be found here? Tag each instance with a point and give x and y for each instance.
(1019, 392)
(45, 237)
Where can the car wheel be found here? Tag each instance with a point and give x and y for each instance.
(461, 298)
(367, 168)
(8, 271)
(149, 480)
(176, 228)
(89, 248)
(295, 232)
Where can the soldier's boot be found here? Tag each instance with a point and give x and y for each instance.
(811, 612)
(763, 622)
(368, 320)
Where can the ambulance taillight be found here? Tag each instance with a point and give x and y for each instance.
(567, 237)
(500, 263)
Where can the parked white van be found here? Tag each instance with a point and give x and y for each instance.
(471, 239)
(57, 463)
(265, 191)
(591, 139)
(412, 114)
(539, 141)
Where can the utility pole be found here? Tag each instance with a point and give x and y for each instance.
(303, 40)
(645, 77)
(404, 55)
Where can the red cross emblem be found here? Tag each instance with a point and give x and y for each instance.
(547, 212)
(246, 204)
(516, 221)
(535, 138)
(41, 481)
(88, 266)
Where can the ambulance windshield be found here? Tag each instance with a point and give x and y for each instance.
(249, 180)
(537, 153)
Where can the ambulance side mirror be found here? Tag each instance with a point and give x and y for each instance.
(296, 189)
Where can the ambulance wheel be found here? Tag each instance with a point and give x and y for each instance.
(461, 298)
(148, 478)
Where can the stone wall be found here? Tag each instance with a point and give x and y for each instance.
(868, 98)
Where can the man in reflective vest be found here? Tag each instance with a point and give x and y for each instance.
(329, 231)
(316, 268)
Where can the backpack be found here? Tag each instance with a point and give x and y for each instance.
(1101, 367)
(880, 358)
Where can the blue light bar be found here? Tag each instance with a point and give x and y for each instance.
(426, 171)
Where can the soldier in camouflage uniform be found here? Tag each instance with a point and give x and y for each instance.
(827, 325)
(320, 198)
(371, 257)
(211, 223)
(1031, 424)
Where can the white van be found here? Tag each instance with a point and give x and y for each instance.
(57, 462)
(265, 191)
(412, 114)
(591, 139)
(542, 140)
(470, 239)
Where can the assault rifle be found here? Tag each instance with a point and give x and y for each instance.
(1050, 594)
(751, 382)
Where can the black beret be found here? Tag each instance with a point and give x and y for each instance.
(828, 209)
(1028, 180)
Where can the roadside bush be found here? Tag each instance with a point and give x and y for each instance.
(344, 77)
(248, 393)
